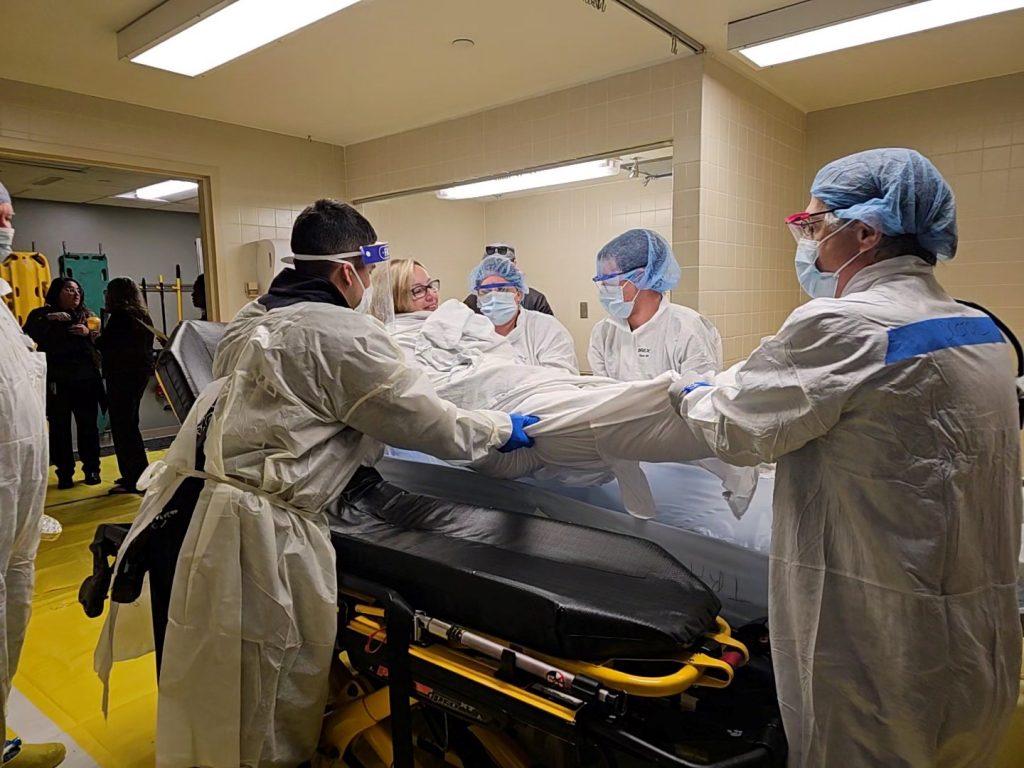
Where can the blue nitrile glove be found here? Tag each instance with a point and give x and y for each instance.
(519, 437)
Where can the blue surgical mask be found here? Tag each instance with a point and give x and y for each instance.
(815, 283)
(6, 242)
(613, 302)
(499, 307)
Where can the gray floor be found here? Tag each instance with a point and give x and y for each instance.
(33, 727)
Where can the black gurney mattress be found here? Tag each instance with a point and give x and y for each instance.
(554, 587)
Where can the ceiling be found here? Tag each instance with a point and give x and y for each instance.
(72, 183)
(958, 53)
(383, 66)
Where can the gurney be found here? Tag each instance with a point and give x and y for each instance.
(476, 636)
(479, 635)
(510, 627)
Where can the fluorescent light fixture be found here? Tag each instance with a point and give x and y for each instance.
(882, 25)
(194, 36)
(566, 174)
(162, 191)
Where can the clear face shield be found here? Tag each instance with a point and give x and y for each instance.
(377, 259)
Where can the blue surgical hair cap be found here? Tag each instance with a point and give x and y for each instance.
(498, 266)
(5, 196)
(897, 191)
(647, 250)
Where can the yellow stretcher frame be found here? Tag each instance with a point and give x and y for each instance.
(364, 716)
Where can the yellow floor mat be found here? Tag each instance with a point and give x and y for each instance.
(56, 671)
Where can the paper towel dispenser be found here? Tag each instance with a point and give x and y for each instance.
(268, 255)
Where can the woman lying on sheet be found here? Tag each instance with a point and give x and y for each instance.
(591, 428)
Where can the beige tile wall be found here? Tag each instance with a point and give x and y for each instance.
(651, 106)
(630, 110)
(751, 178)
(557, 234)
(259, 180)
(974, 133)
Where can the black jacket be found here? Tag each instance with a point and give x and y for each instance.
(126, 345)
(69, 357)
(534, 300)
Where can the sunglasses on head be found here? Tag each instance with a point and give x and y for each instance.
(501, 250)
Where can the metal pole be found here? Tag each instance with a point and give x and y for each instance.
(177, 288)
(163, 308)
(670, 29)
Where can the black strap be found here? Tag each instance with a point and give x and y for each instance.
(1014, 342)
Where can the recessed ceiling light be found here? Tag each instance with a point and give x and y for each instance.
(463, 43)
(163, 191)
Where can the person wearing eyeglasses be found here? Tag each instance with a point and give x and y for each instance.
(416, 290)
(535, 301)
(891, 411)
(537, 339)
(645, 334)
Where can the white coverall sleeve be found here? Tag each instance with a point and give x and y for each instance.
(714, 344)
(698, 347)
(595, 353)
(395, 404)
(791, 390)
(558, 349)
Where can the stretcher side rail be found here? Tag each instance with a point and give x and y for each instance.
(599, 717)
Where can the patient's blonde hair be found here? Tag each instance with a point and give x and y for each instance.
(401, 272)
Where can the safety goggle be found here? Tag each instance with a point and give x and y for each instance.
(419, 291)
(483, 290)
(500, 250)
(632, 273)
(804, 225)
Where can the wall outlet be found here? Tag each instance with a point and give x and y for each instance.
(584, 311)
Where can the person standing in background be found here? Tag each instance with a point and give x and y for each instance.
(23, 471)
(535, 301)
(62, 329)
(199, 295)
(126, 347)
(645, 334)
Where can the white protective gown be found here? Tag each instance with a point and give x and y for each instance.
(892, 415)
(24, 462)
(676, 339)
(305, 395)
(540, 339)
